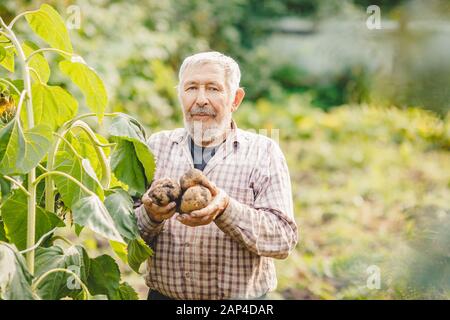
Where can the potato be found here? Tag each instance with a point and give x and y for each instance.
(191, 178)
(164, 191)
(195, 198)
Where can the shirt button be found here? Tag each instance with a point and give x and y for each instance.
(187, 244)
(187, 275)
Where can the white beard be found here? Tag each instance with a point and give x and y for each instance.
(208, 135)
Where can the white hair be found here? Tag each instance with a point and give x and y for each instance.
(231, 68)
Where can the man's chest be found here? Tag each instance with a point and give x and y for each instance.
(235, 176)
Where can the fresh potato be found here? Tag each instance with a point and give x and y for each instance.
(195, 198)
(164, 191)
(192, 177)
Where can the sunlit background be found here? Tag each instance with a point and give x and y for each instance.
(362, 115)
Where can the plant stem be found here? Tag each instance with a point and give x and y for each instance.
(19, 106)
(36, 74)
(38, 243)
(47, 50)
(18, 184)
(69, 145)
(63, 174)
(106, 174)
(11, 24)
(31, 217)
(49, 184)
(70, 243)
(11, 85)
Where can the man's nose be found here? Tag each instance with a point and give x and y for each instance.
(201, 97)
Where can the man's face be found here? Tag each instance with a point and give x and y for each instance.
(206, 102)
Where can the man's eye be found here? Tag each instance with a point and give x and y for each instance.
(191, 88)
(213, 89)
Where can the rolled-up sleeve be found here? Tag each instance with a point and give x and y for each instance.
(267, 228)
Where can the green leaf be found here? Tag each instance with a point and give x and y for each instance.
(8, 60)
(78, 229)
(15, 280)
(91, 212)
(52, 105)
(120, 206)
(146, 158)
(120, 249)
(37, 142)
(3, 232)
(14, 214)
(37, 62)
(126, 292)
(138, 252)
(104, 277)
(61, 284)
(19, 152)
(124, 128)
(2, 53)
(127, 167)
(69, 190)
(48, 24)
(89, 83)
(83, 145)
(5, 189)
(12, 147)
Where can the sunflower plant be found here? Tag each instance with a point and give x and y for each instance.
(58, 176)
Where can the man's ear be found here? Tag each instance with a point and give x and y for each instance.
(239, 96)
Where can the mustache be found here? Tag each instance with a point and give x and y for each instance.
(202, 111)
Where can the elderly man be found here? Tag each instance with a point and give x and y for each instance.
(226, 250)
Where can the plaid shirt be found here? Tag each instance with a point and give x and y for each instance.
(232, 257)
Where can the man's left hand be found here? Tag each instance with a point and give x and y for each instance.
(206, 215)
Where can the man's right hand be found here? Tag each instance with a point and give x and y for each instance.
(156, 213)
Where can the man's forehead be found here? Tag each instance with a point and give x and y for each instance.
(207, 72)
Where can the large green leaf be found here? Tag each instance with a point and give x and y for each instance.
(127, 167)
(37, 142)
(104, 277)
(84, 147)
(48, 24)
(146, 158)
(15, 280)
(37, 62)
(125, 129)
(89, 83)
(19, 151)
(5, 189)
(8, 60)
(12, 147)
(138, 252)
(52, 105)
(2, 53)
(60, 284)
(14, 214)
(120, 249)
(69, 190)
(91, 212)
(120, 206)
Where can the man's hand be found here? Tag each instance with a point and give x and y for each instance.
(156, 213)
(206, 215)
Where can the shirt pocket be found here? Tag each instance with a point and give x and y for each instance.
(243, 195)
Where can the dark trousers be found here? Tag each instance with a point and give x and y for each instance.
(155, 295)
